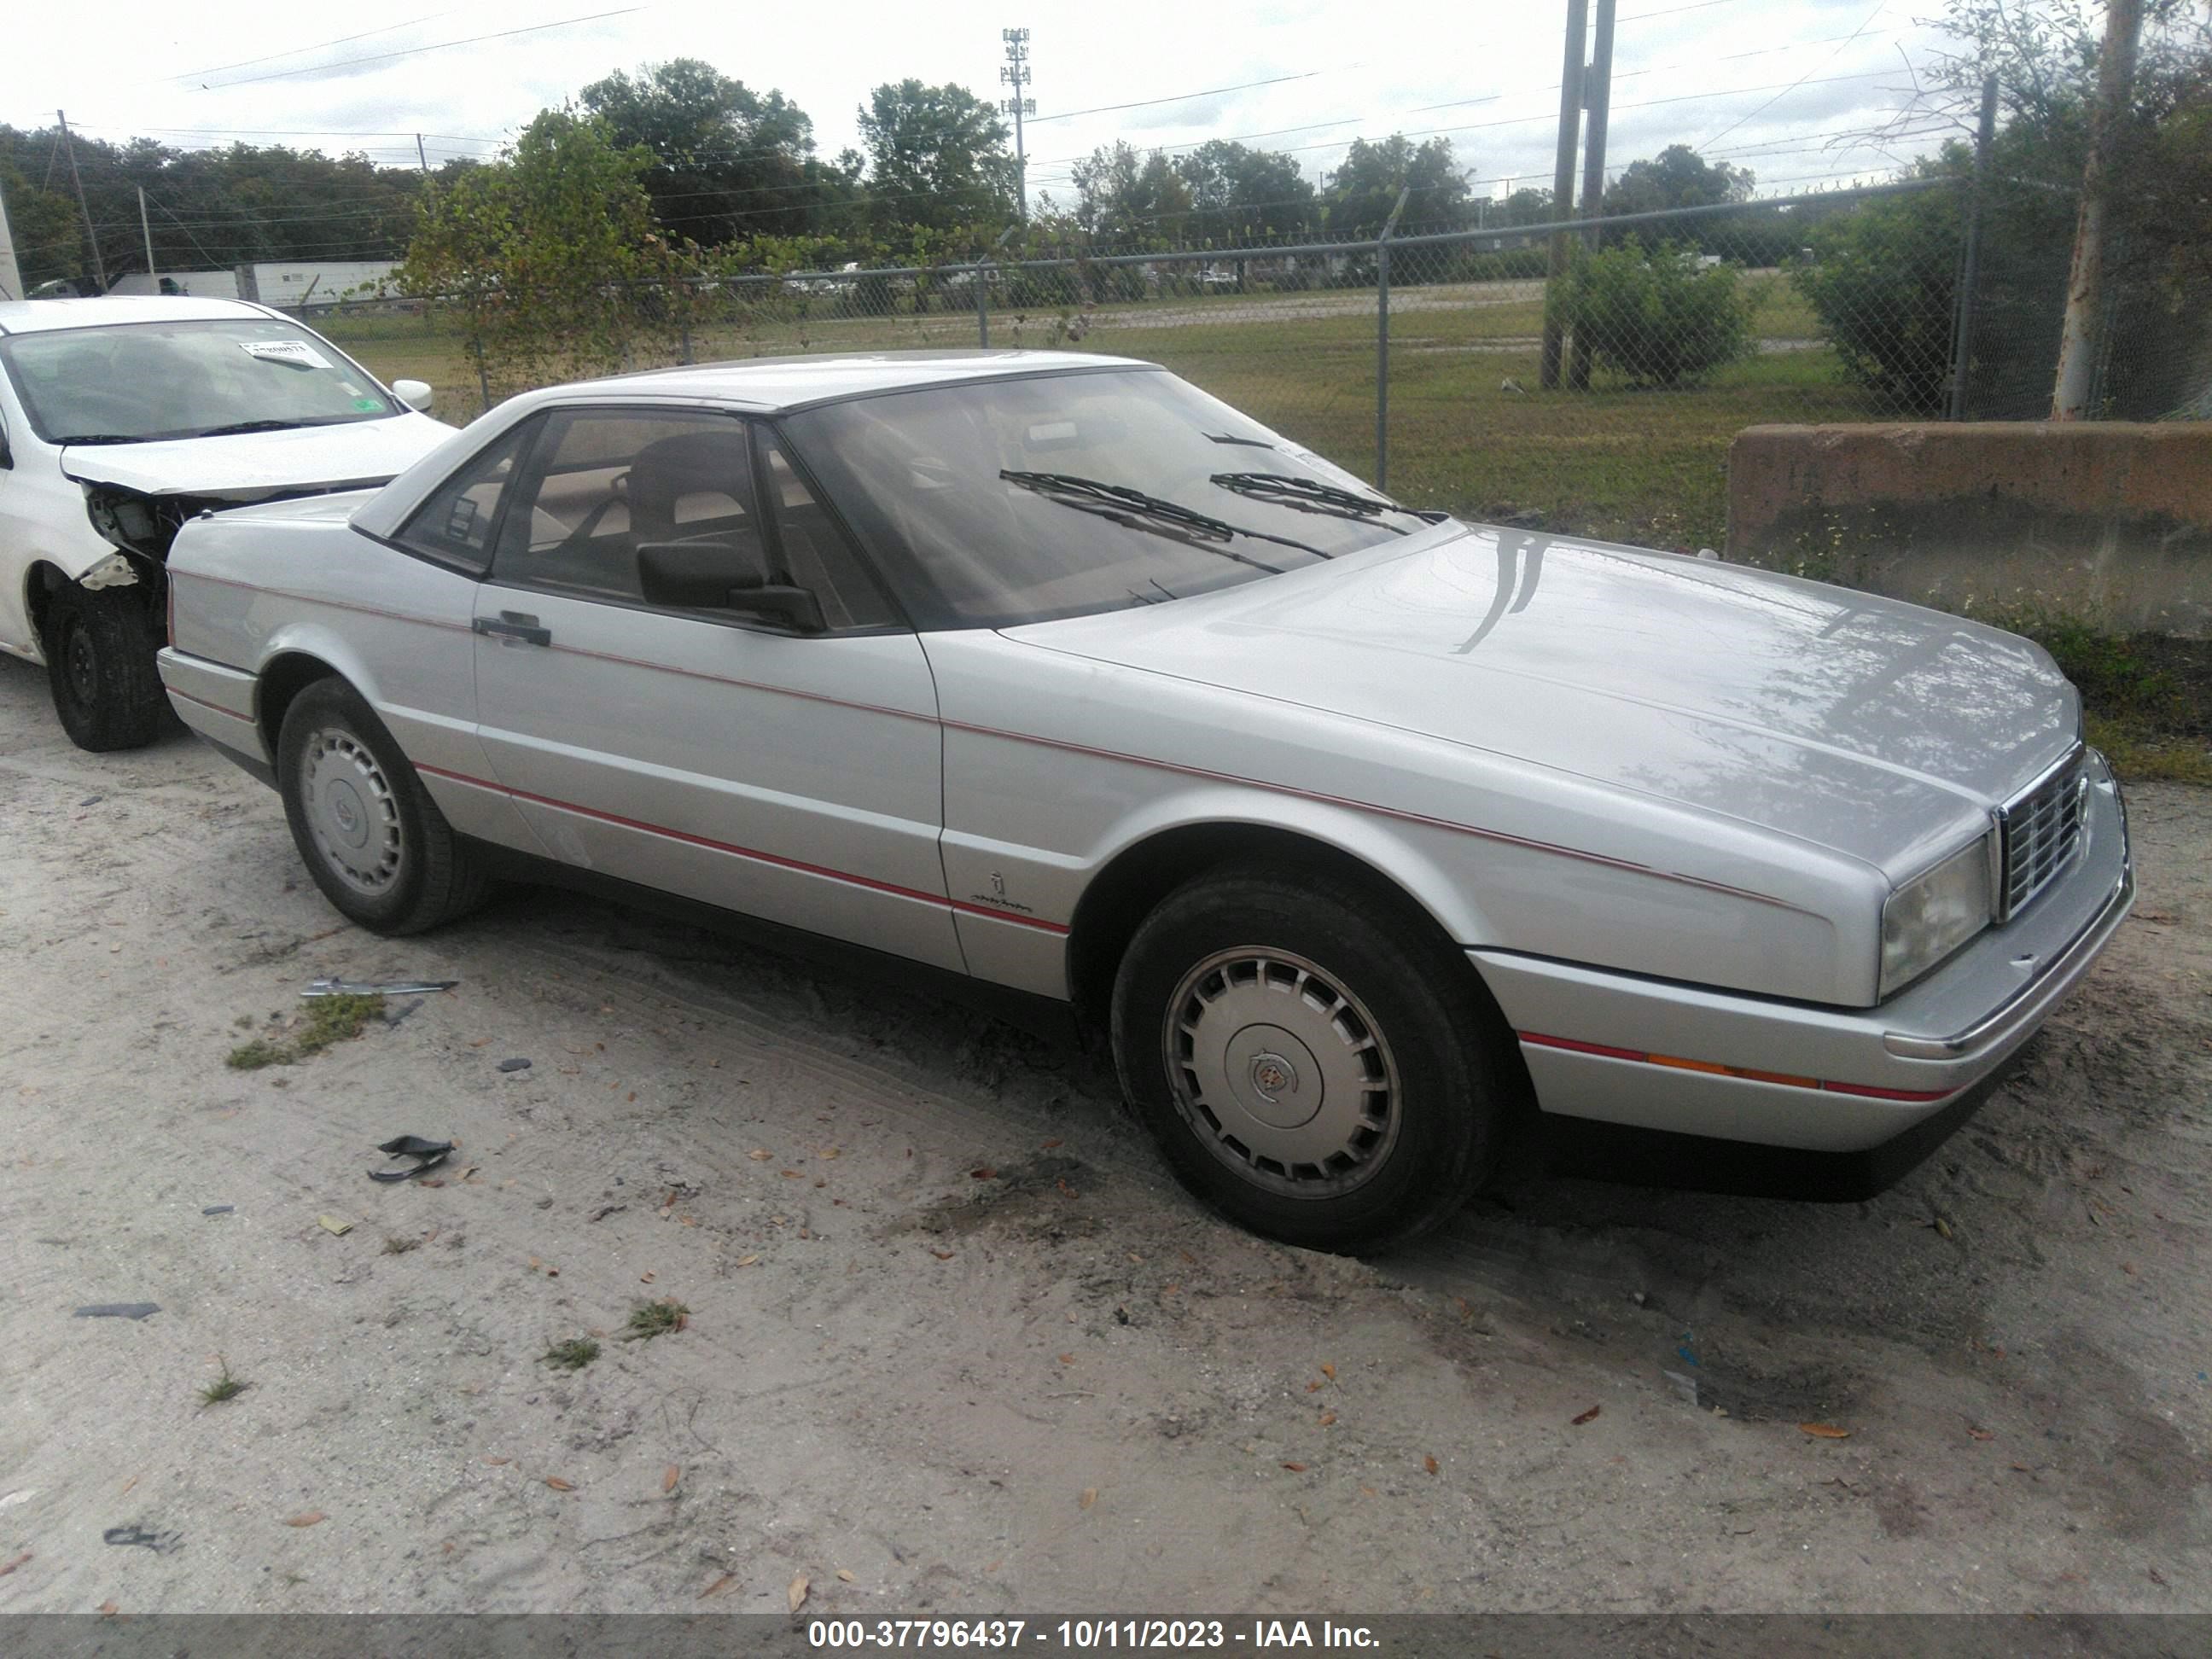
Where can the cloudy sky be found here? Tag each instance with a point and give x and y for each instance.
(1788, 88)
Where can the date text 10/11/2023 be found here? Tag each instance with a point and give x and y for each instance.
(1087, 1634)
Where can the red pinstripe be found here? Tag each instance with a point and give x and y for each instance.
(1499, 836)
(752, 853)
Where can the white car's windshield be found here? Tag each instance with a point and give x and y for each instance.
(1023, 499)
(140, 382)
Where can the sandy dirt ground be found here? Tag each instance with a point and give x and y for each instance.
(955, 1341)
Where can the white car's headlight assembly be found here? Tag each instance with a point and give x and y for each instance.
(1932, 915)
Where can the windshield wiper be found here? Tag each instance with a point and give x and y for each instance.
(1228, 437)
(104, 438)
(1203, 529)
(1289, 489)
(248, 426)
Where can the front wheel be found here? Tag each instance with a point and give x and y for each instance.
(100, 666)
(1316, 1061)
(369, 833)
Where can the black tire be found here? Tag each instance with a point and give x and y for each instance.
(1351, 965)
(100, 650)
(369, 833)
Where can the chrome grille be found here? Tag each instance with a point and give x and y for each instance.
(2042, 831)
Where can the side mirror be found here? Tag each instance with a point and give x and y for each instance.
(698, 576)
(417, 395)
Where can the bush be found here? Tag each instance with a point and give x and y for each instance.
(1655, 315)
(1883, 280)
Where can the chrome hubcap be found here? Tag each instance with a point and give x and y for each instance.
(351, 811)
(1281, 1072)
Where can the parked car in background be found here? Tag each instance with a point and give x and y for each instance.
(1370, 838)
(120, 419)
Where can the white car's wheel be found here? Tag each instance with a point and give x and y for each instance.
(1316, 1064)
(372, 838)
(99, 651)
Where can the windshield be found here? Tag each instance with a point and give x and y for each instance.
(1019, 500)
(139, 382)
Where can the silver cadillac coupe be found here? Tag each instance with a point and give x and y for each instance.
(1374, 838)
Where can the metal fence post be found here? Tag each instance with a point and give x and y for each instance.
(1962, 327)
(1382, 343)
(983, 310)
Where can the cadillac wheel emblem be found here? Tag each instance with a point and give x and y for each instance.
(1271, 1075)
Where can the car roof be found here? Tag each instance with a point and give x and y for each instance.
(777, 383)
(41, 316)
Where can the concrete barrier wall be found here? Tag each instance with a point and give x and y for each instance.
(2108, 520)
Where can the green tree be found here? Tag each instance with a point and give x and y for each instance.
(1655, 315)
(552, 255)
(49, 236)
(1365, 184)
(1678, 177)
(728, 162)
(1122, 198)
(1239, 194)
(937, 157)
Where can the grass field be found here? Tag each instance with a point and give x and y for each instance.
(1626, 464)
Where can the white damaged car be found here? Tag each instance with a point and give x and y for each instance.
(122, 418)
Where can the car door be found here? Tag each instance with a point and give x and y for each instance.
(795, 777)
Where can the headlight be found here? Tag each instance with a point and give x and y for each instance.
(1929, 917)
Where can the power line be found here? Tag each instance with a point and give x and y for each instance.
(1185, 97)
(343, 39)
(1802, 79)
(414, 52)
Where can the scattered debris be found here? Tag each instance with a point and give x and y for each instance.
(719, 1585)
(428, 1154)
(795, 1596)
(331, 1225)
(1431, 1464)
(559, 1485)
(669, 1477)
(1589, 1416)
(7, 1567)
(313, 1517)
(1825, 1431)
(844, 1578)
(607, 1210)
(573, 1355)
(120, 1310)
(1089, 1496)
(1685, 1386)
(161, 1543)
(398, 988)
(399, 1244)
(518, 1064)
(219, 1209)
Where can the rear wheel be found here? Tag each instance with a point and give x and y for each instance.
(369, 833)
(1316, 1061)
(99, 649)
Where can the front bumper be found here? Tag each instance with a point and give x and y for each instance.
(1687, 1060)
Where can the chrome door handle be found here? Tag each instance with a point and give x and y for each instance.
(513, 625)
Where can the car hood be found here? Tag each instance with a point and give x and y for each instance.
(1877, 729)
(252, 465)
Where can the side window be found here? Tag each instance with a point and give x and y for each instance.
(605, 484)
(815, 553)
(455, 525)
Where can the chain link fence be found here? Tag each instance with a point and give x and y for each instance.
(1448, 367)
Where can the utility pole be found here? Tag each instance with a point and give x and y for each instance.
(99, 269)
(1962, 331)
(1597, 99)
(1015, 73)
(11, 274)
(146, 230)
(420, 154)
(2077, 341)
(1563, 187)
